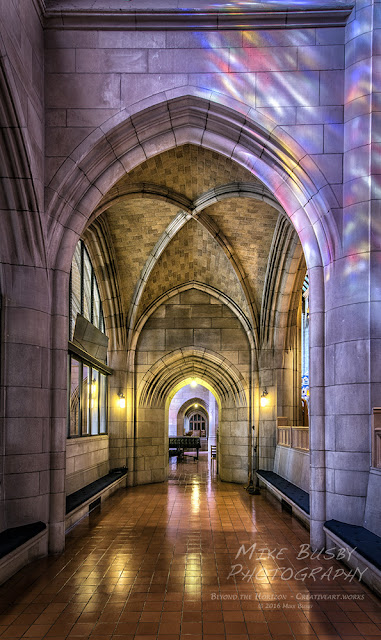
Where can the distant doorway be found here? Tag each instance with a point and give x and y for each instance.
(197, 424)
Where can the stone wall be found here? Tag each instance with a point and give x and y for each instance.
(192, 319)
(372, 518)
(87, 459)
(25, 383)
(292, 110)
(293, 465)
(298, 70)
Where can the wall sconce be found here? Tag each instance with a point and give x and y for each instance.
(195, 406)
(264, 399)
(121, 401)
(193, 383)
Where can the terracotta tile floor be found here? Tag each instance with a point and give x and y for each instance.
(156, 561)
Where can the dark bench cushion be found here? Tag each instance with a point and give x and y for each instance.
(365, 542)
(10, 539)
(297, 495)
(77, 498)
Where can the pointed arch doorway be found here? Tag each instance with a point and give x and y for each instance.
(193, 411)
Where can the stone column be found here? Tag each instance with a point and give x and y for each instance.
(318, 419)
(212, 438)
(58, 426)
(353, 280)
(27, 403)
(117, 416)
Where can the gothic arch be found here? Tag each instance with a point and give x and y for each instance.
(103, 261)
(175, 370)
(200, 286)
(191, 362)
(21, 227)
(186, 408)
(79, 185)
(255, 143)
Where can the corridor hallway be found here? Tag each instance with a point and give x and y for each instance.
(155, 562)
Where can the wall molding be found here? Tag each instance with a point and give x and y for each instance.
(193, 20)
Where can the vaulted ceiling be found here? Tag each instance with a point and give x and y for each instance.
(184, 216)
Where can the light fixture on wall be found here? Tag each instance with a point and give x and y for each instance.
(195, 406)
(193, 383)
(121, 401)
(264, 399)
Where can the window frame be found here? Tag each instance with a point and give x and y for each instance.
(199, 419)
(84, 255)
(83, 358)
(102, 370)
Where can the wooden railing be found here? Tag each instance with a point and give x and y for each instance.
(293, 437)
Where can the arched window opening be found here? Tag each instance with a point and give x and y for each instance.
(87, 389)
(84, 292)
(305, 351)
(197, 423)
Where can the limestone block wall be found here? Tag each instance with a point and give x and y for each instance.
(151, 446)
(192, 319)
(352, 356)
(372, 518)
(117, 416)
(234, 444)
(25, 397)
(25, 310)
(87, 459)
(293, 465)
(22, 38)
(266, 417)
(298, 70)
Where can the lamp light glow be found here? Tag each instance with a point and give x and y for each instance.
(264, 399)
(122, 401)
(195, 406)
(193, 384)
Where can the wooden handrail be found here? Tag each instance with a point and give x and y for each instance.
(294, 437)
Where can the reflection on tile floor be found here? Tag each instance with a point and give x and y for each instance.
(194, 558)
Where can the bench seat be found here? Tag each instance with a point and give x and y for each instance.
(365, 542)
(76, 499)
(296, 497)
(21, 545)
(11, 539)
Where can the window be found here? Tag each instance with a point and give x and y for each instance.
(88, 400)
(305, 342)
(87, 397)
(84, 293)
(197, 422)
(376, 438)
